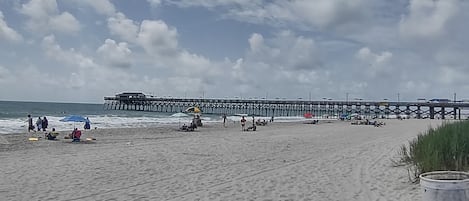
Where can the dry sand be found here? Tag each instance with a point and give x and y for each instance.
(281, 161)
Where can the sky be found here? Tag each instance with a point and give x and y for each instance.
(83, 50)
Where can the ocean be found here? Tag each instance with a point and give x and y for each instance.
(13, 116)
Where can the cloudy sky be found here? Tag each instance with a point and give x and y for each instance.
(83, 50)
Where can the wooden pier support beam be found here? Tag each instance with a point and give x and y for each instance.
(442, 112)
(432, 112)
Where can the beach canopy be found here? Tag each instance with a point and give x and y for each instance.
(74, 118)
(193, 109)
(308, 115)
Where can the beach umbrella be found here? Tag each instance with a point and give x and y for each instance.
(74, 118)
(193, 110)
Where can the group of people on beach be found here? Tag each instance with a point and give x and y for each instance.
(243, 124)
(196, 122)
(41, 124)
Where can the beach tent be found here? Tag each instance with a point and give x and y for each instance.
(308, 115)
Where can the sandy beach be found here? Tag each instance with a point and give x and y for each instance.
(280, 161)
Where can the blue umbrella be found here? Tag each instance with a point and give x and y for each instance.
(74, 118)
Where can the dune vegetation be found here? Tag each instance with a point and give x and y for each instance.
(443, 148)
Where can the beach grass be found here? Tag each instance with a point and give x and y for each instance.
(443, 148)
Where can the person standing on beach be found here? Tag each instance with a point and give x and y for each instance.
(39, 124)
(224, 120)
(30, 124)
(45, 123)
(243, 123)
(87, 124)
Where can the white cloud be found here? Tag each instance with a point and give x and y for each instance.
(69, 57)
(366, 55)
(154, 3)
(277, 65)
(39, 9)
(326, 13)
(427, 18)
(237, 71)
(44, 17)
(160, 43)
(64, 22)
(115, 54)
(190, 64)
(256, 42)
(4, 73)
(157, 38)
(126, 29)
(448, 75)
(22, 84)
(286, 51)
(211, 3)
(85, 72)
(104, 7)
(6, 32)
(318, 13)
(154, 36)
(374, 63)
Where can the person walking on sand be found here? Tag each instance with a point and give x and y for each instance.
(243, 123)
(45, 123)
(30, 124)
(39, 124)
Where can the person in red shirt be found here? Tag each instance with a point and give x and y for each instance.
(76, 134)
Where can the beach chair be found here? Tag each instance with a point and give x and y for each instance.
(252, 128)
(191, 127)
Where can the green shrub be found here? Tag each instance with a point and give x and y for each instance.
(443, 148)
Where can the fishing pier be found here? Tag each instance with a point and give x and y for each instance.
(267, 108)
